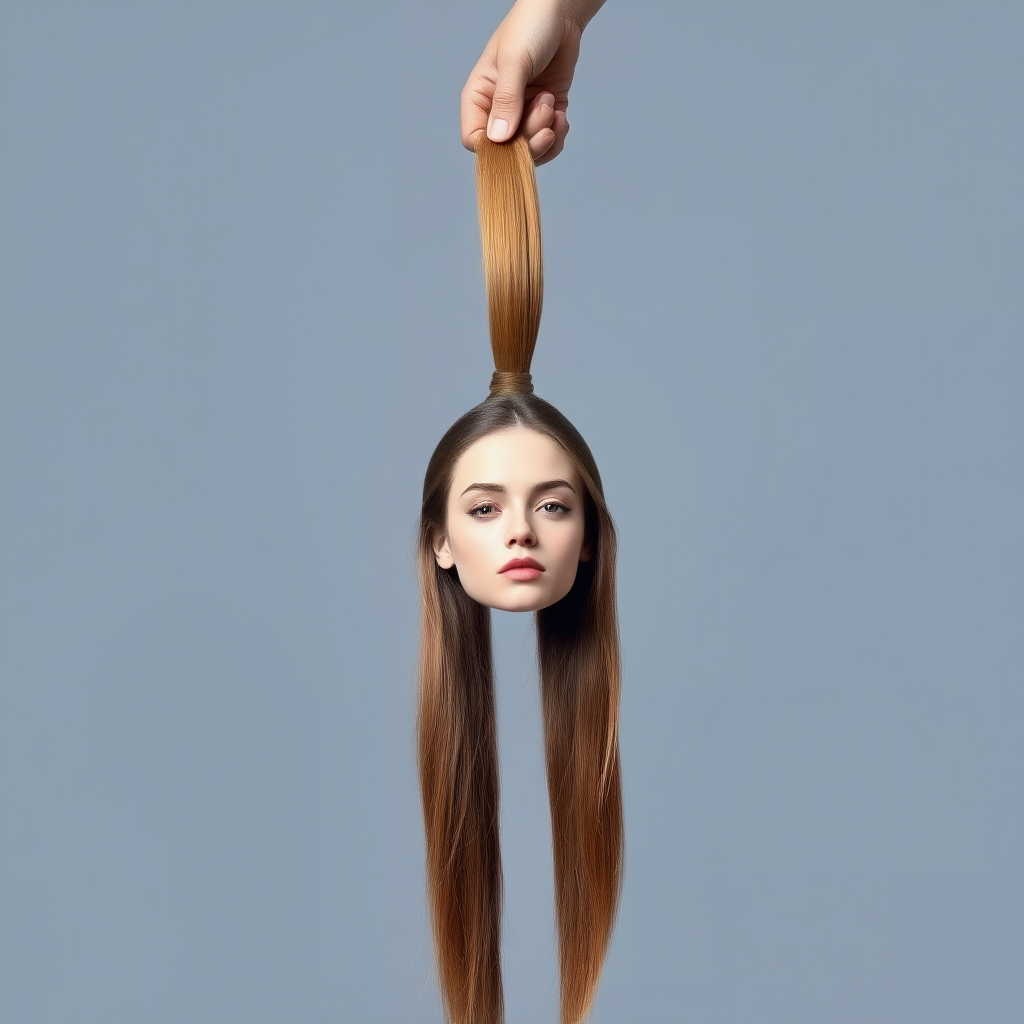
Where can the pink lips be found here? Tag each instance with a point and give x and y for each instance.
(521, 569)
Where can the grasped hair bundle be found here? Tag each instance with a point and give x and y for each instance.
(513, 266)
(579, 666)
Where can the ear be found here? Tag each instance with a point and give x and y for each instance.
(586, 552)
(442, 552)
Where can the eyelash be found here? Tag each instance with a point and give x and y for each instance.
(478, 511)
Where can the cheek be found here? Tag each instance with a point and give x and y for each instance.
(569, 547)
(469, 546)
(578, 534)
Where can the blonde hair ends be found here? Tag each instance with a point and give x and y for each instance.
(579, 666)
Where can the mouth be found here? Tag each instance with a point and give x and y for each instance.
(521, 569)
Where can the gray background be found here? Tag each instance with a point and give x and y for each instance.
(241, 301)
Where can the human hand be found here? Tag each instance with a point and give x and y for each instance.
(521, 81)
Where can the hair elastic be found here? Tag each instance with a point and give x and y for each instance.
(504, 382)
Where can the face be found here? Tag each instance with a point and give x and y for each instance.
(515, 498)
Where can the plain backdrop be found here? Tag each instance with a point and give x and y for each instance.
(241, 300)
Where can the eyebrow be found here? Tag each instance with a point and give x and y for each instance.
(502, 489)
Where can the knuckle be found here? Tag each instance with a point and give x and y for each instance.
(504, 97)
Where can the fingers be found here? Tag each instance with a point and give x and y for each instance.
(542, 124)
(539, 114)
(538, 124)
(545, 126)
(492, 99)
(559, 129)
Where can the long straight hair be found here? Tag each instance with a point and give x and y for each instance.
(579, 666)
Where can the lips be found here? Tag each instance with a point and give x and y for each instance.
(521, 569)
(521, 563)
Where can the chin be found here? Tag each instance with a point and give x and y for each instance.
(522, 602)
(520, 606)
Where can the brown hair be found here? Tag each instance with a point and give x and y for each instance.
(579, 666)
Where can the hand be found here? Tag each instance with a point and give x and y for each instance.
(521, 81)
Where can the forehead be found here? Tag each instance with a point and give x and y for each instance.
(516, 458)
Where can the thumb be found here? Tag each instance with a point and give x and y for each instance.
(509, 90)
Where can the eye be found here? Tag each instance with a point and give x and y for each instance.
(556, 508)
(482, 511)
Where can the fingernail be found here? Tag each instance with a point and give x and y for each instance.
(497, 130)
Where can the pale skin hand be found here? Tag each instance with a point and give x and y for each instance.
(522, 79)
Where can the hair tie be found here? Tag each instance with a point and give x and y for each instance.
(506, 382)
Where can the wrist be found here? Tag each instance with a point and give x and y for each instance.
(579, 12)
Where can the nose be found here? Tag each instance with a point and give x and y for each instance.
(519, 531)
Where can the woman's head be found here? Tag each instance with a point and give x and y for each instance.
(513, 480)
